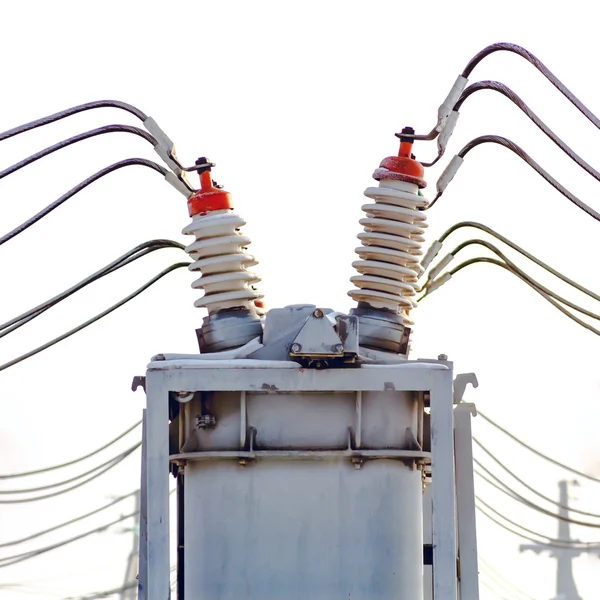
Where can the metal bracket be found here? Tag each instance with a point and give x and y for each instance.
(460, 385)
(138, 381)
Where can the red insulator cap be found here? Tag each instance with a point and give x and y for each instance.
(402, 167)
(208, 197)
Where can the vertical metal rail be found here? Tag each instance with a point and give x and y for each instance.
(442, 486)
(157, 487)
(465, 502)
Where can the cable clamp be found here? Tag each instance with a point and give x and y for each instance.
(447, 107)
(431, 253)
(449, 173)
(178, 184)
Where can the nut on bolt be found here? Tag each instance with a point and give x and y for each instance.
(296, 348)
(318, 313)
(339, 347)
(442, 357)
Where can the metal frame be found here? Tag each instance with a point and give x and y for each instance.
(465, 502)
(274, 376)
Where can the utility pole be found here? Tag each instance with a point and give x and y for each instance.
(565, 582)
(128, 591)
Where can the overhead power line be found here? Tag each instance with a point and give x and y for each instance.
(81, 186)
(540, 66)
(17, 558)
(74, 487)
(500, 580)
(432, 252)
(73, 462)
(522, 527)
(75, 139)
(49, 486)
(67, 523)
(127, 258)
(536, 452)
(508, 491)
(529, 487)
(508, 93)
(105, 593)
(99, 316)
(73, 111)
(542, 291)
(564, 546)
(454, 165)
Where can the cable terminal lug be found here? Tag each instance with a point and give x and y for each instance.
(441, 266)
(431, 253)
(434, 285)
(178, 184)
(447, 107)
(448, 174)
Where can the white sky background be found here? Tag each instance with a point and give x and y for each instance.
(297, 103)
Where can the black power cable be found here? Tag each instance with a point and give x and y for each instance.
(73, 140)
(99, 316)
(540, 66)
(73, 111)
(80, 186)
(127, 258)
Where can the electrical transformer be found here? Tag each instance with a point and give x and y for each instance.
(313, 459)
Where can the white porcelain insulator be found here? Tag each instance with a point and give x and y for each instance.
(219, 253)
(391, 248)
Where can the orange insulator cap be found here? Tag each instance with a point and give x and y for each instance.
(402, 167)
(208, 197)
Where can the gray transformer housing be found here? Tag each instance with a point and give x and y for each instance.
(298, 482)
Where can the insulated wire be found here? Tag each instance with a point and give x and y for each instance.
(530, 488)
(74, 487)
(540, 66)
(76, 478)
(524, 276)
(522, 251)
(99, 316)
(508, 93)
(73, 140)
(536, 452)
(508, 491)
(75, 520)
(510, 145)
(73, 462)
(80, 186)
(127, 258)
(73, 111)
(549, 539)
(495, 575)
(525, 537)
(17, 558)
(536, 288)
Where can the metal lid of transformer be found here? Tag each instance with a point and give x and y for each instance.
(403, 167)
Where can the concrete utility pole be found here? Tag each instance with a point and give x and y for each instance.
(129, 592)
(565, 583)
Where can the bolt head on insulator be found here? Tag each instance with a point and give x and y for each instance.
(402, 167)
(209, 197)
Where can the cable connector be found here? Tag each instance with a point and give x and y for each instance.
(447, 132)
(440, 266)
(431, 253)
(437, 283)
(179, 185)
(447, 107)
(165, 148)
(448, 174)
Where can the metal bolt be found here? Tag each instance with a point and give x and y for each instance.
(318, 313)
(339, 347)
(296, 348)
(442, 357)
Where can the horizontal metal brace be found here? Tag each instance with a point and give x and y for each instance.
(302, 454)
